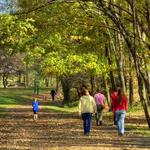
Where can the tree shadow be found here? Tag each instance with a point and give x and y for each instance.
(62, 131)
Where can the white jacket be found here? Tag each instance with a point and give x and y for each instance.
(87, 104)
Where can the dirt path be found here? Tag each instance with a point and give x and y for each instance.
(60, 131)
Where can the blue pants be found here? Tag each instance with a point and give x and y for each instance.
(120, 117)
(87, 118)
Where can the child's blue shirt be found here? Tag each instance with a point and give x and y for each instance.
(35, 106)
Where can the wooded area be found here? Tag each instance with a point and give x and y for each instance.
(105, 43)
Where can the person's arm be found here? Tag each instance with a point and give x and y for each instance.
(126, 103)
(79, 107)
(112, 105)
(104, 104)
(94, 106)
(111, 102)
(95, 98)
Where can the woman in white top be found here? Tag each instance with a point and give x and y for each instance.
(87, 106)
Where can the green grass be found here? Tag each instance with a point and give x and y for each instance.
(142, 130)
(61, 109)
(15, 98)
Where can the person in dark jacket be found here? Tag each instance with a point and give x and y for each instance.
(53, 93)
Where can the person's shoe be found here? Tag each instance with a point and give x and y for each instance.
(100, 123)
(120, 134)
(115, 123)
(87, 134)
(96, 123)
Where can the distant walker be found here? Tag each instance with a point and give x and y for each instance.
(53, 93)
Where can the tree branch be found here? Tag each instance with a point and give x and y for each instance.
(49, 2)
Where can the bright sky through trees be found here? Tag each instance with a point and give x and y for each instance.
(8, 6)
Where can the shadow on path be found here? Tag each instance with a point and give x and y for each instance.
(64, 131)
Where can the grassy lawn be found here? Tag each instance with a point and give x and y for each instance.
(15, 98)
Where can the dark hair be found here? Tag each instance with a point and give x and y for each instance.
(97, 90)
(115, 89)
(102, 91)
(120, 95)
(84, 89)
(83, 92)
(84, 86)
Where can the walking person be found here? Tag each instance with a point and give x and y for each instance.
(113, 97)
(53, 93)
(35, 107)
(100, 103)
(87, 106)
(120, 105)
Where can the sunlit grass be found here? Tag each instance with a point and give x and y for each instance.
(141, 129)
(17, 98)
(61, 109)
(10, 106)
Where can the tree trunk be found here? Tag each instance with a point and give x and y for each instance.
(108, 55)
(5, 82)
(19, 77)
(107, 92)
(120, 63)
(131, 99)
(140, 90)
(66, 90)
(148, 81)
(92, 82)
(27, 75)
(78, 92)
(46, 82)
(141, 79)
(57, 84)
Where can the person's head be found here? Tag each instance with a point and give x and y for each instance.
(84, 90)
(97, 90)
(114, 89)
(102, 91)
(120, 91)
(84, 86)
(120, 94)
(35, 99)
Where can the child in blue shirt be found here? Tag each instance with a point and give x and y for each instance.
(35, 106)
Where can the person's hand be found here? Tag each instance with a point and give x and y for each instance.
(110, 110)
(93, 114)
(79, 114)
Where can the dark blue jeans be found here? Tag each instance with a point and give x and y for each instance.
(87, 117)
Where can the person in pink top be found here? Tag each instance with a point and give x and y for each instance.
(120, 105)
(100, 102)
